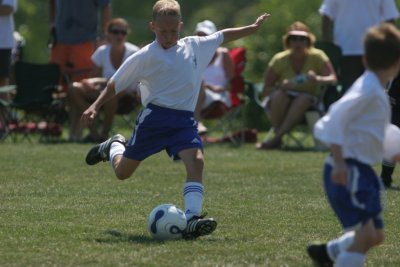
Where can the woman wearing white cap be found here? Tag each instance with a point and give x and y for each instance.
(216, 78)
(293, 80)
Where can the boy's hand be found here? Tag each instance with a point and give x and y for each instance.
(88, 116)
(261, 19)
(339, 174)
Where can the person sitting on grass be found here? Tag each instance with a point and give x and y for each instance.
(170, 70)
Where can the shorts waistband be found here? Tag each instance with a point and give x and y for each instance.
(329, 161)
(170, 110)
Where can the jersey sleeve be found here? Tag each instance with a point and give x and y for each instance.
(128, 73)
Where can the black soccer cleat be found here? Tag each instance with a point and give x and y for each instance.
(199, 226)
(319, 255)
(101, 152)
(387, 181)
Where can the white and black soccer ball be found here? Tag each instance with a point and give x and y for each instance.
(166, 222)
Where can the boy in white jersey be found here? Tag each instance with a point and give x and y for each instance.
(354, 128)
(169, 71)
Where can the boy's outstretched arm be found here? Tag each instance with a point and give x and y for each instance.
(232, 34)
(90, 113)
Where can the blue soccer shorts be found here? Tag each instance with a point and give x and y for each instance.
(158, 128)
(360, 200)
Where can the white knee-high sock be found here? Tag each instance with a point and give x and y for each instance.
(350, 259)
(193, 194)
(116, 149)
(337, 246)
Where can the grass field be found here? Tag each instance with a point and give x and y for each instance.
(56, 211)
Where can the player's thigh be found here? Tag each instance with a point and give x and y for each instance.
(125, 167)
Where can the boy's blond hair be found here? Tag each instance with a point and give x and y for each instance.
(382, 46)
(166, 7)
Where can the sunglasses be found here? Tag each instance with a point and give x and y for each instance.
(295, 38)
(121, 32)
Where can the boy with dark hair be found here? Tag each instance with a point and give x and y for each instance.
(169, 71)
(354, 128)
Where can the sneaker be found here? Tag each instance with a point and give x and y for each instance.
(387, 181)
(101, 152)
(201, 128)
(319, 255)
(198, 226)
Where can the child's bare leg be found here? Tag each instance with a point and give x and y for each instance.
(194, 163)
(124, 167)
(193, 195)
(365, 238)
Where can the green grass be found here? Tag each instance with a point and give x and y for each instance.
(56, 211)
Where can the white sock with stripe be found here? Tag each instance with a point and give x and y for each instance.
(339, 245)
(116, 149)
(353, 259)
(193, 194)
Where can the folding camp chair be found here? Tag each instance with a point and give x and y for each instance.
(38, 107)
(5, 113)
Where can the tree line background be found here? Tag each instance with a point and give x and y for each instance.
(32, 17)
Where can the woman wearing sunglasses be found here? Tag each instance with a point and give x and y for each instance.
(106, 60)
(293, 80)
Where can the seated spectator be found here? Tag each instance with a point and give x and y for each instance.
(106, 59)
(293, 80)
(216, 78)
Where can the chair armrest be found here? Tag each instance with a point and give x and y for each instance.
(7, 88)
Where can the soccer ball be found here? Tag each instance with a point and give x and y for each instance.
(391, 143)
(166, 222)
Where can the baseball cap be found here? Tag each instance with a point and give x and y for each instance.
(206, 26)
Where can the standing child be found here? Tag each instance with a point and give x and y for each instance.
(354, 128)
(169, 71)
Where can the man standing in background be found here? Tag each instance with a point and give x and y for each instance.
(345, 23)
(76, 33)
(7, 41)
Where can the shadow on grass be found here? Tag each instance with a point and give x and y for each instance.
(393, 188)
(114, 236)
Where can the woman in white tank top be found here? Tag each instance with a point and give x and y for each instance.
(216, 78)
(106, 60)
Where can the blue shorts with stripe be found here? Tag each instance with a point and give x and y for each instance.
(360, 200)
(158, 128)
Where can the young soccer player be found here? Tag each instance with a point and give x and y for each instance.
(354, 128)
(169, 71)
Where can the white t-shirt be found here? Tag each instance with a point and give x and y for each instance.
(352, 18)
(102, 58)
(215, 75)
(169, 77)
(357, 121)
(7, 26)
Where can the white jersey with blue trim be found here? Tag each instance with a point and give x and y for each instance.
(357, 121)
(169, 77)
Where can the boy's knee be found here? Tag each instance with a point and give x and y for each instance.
(379, 238)
(122, 175)
(374, 238)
